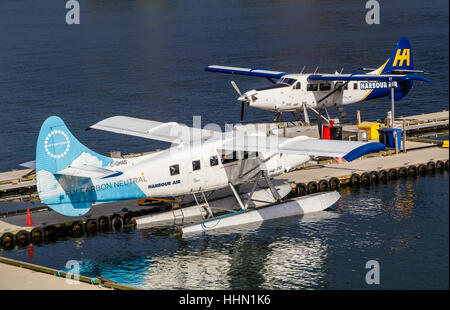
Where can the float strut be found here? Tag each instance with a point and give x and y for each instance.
(236, 195)
(275, 193)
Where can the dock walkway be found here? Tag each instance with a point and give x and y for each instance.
(368, 164)
(16, 278)
(18, 275)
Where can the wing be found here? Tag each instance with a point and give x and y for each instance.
(246, 71)
(366, 77)
(349, 150)
(168, 132)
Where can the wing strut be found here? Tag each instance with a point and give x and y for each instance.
(332, 92)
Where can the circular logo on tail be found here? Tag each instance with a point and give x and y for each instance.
(60, 144)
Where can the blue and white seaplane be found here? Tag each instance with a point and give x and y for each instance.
(300, 92)
(71, 177)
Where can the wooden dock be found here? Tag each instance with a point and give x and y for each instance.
(18, 275)
(373, 168)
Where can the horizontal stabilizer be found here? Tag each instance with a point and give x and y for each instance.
(366, 77)
(29, 164)
(87, 171)
(72, 209)
(406, 71)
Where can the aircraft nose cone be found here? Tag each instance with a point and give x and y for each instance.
(242, 98)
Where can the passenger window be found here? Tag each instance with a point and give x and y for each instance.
(355, 85)
(196, 165)
(174, 169)
(325, 86)
(311, 87)
(213, 161)
(346, 86)
(297, 85)
(228, 157)
(251, 155)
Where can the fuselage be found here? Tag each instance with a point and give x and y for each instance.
(293, 91)
(183, 169)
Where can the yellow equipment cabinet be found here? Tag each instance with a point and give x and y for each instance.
(372, 129)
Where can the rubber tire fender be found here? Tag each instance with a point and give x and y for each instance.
(440, 166)
(355, 179)
(19, 235)
(10, 236)
(89, 224)
(313, 187)
(383, 175)
(116, 218)
(403, 172)
(50, 232)
(393, 174)
(324, 186)
(422, 169)
(335, 183)
(412, 168)
(365, 178)
(73, 227)
(374, 176)
(302, 189)
(102, 222)
(431, 167)
(38, 230)
(128, 218)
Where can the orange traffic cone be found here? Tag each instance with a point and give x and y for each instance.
(339, 160)
(29, 220)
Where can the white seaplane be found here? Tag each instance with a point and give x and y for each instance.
(71, 177)
(297, 92)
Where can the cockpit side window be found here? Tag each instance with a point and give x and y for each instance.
(288, 81)
(297, 85)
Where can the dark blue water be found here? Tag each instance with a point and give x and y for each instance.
(403, 225)
(146, 59)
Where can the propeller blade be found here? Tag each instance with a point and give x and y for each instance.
(236, 88)
(242, 111)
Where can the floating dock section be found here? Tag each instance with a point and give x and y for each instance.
(18, 275)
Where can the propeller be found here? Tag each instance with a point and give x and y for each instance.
(244, 100)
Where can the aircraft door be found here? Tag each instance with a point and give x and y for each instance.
(197, 174)
(297, 94)
(337, 97)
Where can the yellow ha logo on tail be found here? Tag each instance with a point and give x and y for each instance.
(401, 57)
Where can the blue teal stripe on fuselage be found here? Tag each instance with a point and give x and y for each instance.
(399, 92)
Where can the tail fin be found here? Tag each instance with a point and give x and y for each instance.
(56, 150)
(401, 58)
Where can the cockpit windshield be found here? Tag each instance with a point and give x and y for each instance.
(287, 81)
